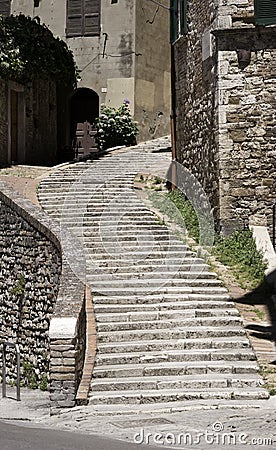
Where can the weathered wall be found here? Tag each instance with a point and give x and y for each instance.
(226, 110)
(109, 64)
(152, 70)
(3, 123)
(41, 123)
(247, 132)
(196, 118)
(29, 280)
(41, 298)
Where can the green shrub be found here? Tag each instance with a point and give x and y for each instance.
(237, 251)
(115, 127)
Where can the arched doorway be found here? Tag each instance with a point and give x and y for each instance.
(84, 107)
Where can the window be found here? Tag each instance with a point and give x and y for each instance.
(265, 12)
(178, 18)
(83, 18)
(5, 7)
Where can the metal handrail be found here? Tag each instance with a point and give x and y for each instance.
(273, 225)
(4, 369)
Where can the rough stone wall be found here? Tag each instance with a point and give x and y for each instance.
(226, 110)
(29, 280)
(247, 131)
(196, 119)
(40, 294)
(152, 70)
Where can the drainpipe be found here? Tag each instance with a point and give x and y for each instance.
(173, 94)
(173, 119)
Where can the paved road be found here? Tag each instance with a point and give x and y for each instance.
(13, 437)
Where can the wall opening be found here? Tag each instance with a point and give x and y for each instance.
(84, 107)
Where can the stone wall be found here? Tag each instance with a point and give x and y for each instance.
(226, 109)
(196, 119)
(29, 281)
(40, 294)
(247, 128)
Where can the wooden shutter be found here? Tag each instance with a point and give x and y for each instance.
(183, 17)
(265, 12)
(92, 9)
(5, 7)
(173, 20)
(74, 18)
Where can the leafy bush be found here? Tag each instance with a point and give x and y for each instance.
(115, 127)
(29, 50)
(238, 251)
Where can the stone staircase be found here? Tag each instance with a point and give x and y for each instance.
(168, 332)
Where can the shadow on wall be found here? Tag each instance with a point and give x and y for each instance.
(264, 294)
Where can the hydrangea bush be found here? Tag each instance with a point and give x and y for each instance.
(115, 127)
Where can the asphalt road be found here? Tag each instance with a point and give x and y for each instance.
(13, 437)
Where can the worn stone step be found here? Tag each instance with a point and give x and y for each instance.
(161, 289)
(196, 309)
(153, 396)
(175, 369)
(175, 344)
(161, 298)
(171, 333)
(136, 283)
(137, 316)
(167, 323)
(175, 356)
(213, 381)
(107, 275)
(167, 266)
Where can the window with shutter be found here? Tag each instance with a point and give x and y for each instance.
(265, 12)
(178, 19)
(92, 10)
(5, 7)
(83, 18)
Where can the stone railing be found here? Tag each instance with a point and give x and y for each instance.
(42, 300)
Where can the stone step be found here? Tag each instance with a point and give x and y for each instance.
(137, 283)
(175, 356)
(118, 291)
(107, 275)
(151, 315)
(168, 266)
(174, 369)
(164, 396)
(161, 298)
(189, 322)
(213, 381)
(193, 309)
(175, 344)
(170, 333)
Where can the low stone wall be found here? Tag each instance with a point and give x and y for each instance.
(39, 290)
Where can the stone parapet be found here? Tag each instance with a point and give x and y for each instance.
(41, 298)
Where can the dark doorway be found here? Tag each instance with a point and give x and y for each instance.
(14, 126)
(84, 107)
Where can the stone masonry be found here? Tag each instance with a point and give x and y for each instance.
(41, 300)
(226, 109)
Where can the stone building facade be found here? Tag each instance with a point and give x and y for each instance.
(225, 61)
(122, 50)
